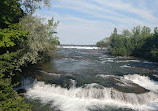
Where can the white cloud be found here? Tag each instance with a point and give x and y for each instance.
(83, 31)
(99, 18)
(120, 5)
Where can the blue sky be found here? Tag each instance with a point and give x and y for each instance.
(88, 21)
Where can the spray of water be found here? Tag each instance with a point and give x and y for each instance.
(94, 95)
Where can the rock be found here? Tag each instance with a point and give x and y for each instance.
(20, 91)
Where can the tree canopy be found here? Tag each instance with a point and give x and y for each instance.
(140, 42)
(24, 39)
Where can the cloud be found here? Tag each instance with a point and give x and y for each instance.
(120, 5)
(88, 21)
(84, 31)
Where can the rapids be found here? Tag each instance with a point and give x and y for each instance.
(90, 80)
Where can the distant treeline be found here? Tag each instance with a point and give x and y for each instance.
(24, 39)
(139, 42)
(78, 45)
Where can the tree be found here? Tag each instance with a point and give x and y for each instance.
(126, 33)
(9, 99)
(29, 6)
(10, 12)
(101, 44)
(156, 31)
(115, 31)
(41, 41)
(139, 43)
(146, 31)
(23, 40)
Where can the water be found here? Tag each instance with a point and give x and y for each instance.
(88, 80)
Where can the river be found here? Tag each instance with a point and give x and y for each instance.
(91, 80)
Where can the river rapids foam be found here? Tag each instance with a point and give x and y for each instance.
(91, 96)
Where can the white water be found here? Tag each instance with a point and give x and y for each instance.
(93, 96)
(104, 76)
(127, 61)
(78, 47)
(125, 66)
(51, 74)
(114, 59)
(143, 81)
(104, 60)
(155, 75)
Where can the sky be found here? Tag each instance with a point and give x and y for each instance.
(85, 22)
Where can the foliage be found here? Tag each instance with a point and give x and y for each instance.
(140, 43)
(12, 40)
(8, 62)
(29, 6)
(10, 12)
(24, 39)
(13, 36)
(41, 41)
(9, 99)
(101, 44)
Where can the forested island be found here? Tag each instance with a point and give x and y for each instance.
(24, 40)
(139, 42)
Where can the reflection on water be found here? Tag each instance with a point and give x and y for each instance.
(83, 80)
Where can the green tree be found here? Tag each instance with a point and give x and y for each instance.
(139, 43)
(10, 12)
(41, 41)
(101, 44)
(126, 33)
(29, 6)
(21, 43)
(9, 99)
